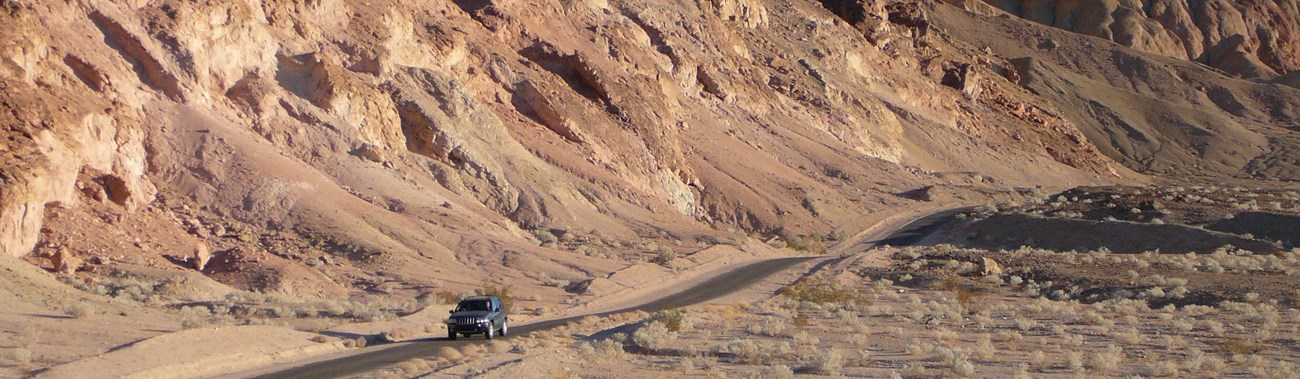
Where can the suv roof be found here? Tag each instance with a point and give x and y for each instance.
(478, 298)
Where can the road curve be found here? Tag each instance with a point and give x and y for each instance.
(732, 281)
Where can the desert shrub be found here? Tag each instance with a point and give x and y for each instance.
(828, 363)
(193, 317)
(447, 297)
(956, 362)
(769, 326)
(1106, 360)
(545, 236)
(909, 253)
(673, 319)
(776, 372)
(664, 257)
(689, 352)
(746, 351)
(859, 340)
(1235, 347)
(1009, 336)
(918, 347)
(984, 348)
(1021, 372)
(913, 370)
(818, 292)
(128, 287)
(653, 336)
(1214, 327)
(806, 243)
(78, 310)
(502, 292)
(961, 367)
(252, 306)
(945, 335)
(1038, 360)
(967, 297)
(806, 339)
(1260, 369)
(942, 354)
(600, 350)
(1130, 336)
(1091, 317)
(1163, 369)
(1194, 360)
(1173, 342)
(449, 353)
(412, 367)
(591, 251)
(1074, 361)
(1025, 324)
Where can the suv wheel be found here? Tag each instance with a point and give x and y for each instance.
(451, 335)
(504, 326)
(489, 332)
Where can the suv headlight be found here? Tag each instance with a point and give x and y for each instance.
(482, 321)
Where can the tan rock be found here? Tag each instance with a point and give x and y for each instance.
(65, 261)
(201, 256)
(988, 267)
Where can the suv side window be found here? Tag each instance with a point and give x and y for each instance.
(496, 304)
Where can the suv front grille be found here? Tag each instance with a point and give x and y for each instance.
(464, 321)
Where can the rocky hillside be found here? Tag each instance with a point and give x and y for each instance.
(321, 147)
(1154, 113)
(1254, 39)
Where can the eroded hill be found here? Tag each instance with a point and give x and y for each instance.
(1253, 39)
(420, 135)
(376, 149)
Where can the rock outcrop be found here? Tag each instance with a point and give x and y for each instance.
(201, 256)
(65, 262)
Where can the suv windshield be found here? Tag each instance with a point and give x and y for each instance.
(474, 305)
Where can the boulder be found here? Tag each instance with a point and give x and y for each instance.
(65, 262)
(201, 256)
(988, 266)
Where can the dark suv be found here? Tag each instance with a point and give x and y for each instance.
(477, 315)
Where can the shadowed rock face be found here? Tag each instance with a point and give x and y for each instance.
(1010, 231)
(1155, 114)
(1258, 39)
